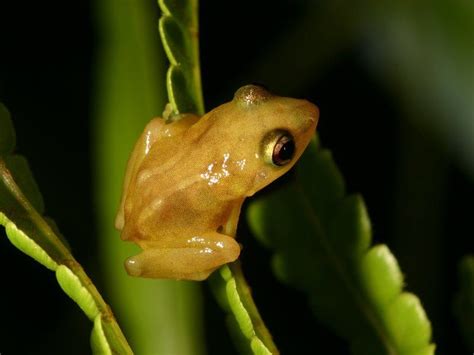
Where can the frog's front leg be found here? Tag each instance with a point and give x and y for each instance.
(194, 258)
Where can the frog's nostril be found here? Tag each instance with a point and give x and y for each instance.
(308, 123)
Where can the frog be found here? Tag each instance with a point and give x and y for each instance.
(188, 176)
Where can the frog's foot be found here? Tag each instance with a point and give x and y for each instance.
(192, 259)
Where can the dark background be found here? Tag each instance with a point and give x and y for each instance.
(417, 192)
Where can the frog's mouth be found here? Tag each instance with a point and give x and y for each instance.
(260, 181)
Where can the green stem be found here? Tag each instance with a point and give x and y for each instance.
(196, 71)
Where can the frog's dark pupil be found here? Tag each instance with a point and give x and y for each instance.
(286, 152)
(283, 150)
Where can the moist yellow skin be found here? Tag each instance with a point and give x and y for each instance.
(186, 179)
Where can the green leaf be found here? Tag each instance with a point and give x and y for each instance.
(21, 208)
(7, 133)
(321, 238)
(179, 34)
(27, 245)
(20, 170)
(380, 273)
(72, 286)
(407, 323)
(464, 300)
(244, 321)
(99, 343)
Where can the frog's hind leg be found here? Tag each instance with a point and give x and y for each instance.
(188, 259)
(142, 146)
(155, 131)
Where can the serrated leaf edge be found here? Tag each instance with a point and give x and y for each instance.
(193, 82)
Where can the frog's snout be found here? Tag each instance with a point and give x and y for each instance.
(310, 117)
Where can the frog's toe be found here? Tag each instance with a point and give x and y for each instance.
(133, 267)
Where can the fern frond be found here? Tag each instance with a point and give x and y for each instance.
(21, 209)
(321, 239)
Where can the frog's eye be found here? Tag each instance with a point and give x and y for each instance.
(283, 150)
(279, 147)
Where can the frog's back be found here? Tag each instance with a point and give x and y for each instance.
(168, 196)
(174, 198)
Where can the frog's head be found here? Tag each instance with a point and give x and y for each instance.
(278, 129)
